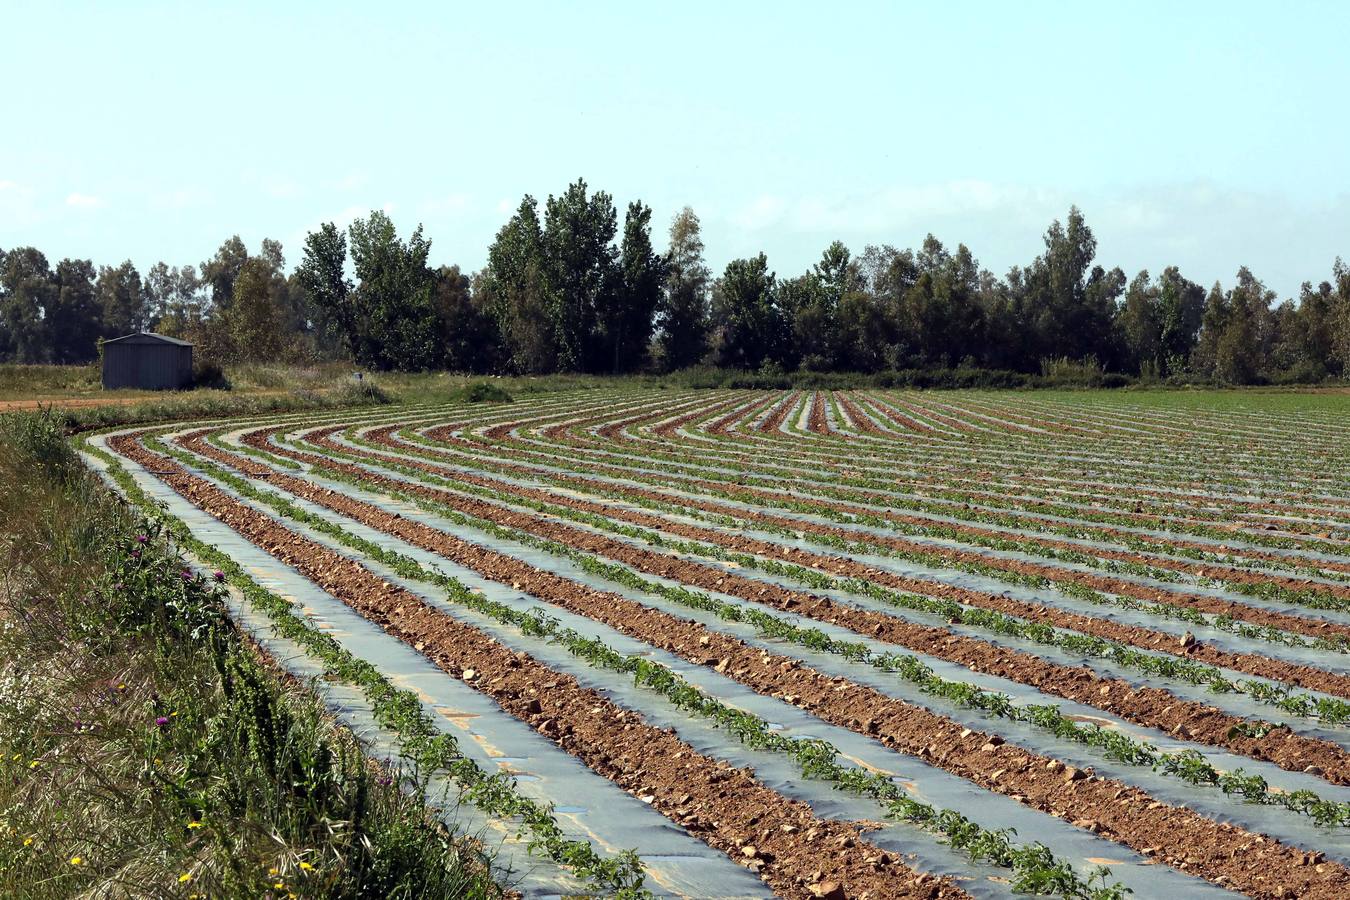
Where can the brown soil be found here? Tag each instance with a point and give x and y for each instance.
(725, 807)
(816, 421)
(1305, 676)
(1211, 850)
(1174, 597)
(779, 415)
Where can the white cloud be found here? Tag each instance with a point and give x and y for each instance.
(7, 185)
(181, 198)
(83, 201)
(351, 181)
(763, 212)
(448, 203)
(281, 188)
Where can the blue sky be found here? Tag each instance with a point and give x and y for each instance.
(1206, 135)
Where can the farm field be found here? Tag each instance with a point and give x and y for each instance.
(816, 644)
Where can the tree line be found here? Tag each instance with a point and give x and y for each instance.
(565, 289)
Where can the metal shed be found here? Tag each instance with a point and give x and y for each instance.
(147, 361)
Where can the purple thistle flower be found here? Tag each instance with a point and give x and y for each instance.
(142, 539)
(136, 554)
(162, 721)
(187, 575)
(219, 576)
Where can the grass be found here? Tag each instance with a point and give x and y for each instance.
(146, 749)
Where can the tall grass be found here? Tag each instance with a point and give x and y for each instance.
(146, 749)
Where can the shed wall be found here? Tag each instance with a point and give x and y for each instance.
(155, 367)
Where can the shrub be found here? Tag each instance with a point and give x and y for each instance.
(481, 392)
(208, 374)
(356, 391)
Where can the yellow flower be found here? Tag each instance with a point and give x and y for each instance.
(16, 756)
(280, 885)
(272, 871)
(306, 866)
(28, 842)
(76, 861)
(194, 824)
(33, 764)
(185, 878)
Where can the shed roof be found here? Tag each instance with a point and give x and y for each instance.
(146, 337)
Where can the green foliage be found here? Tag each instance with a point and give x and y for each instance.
(389, 318)
(427, 747)
(144, 743)
(558, 295)
(481, 392)
(749, 328)
(470, 341)
(564, 297)
(682, 317)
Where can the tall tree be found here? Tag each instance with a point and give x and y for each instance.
(26, 290)
(516, 289)
(1237, 358)
(1181, 305)
(683, 315)
(74, 316)
(625, 321)
(219, 272)
(1213, 321)
(748, 326)
(806, 311)
(1140, 324)
(323, 274)
(579, 229)
(1340, 320)
(1068, 302)
(396, 318)
(468, 332)
(1255, 350)
(254, 322)
(938, 316)
(123, 300)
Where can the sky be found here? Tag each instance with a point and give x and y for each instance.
(1204, 135)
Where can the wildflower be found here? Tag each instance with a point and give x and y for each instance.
(219, 576)
(121, 687)
(273, 871)
(194, 824)
(187, 574)
(142, 539)
(34, 764)
(161, 721)
(28, 842)
(306, 866)
(280, 885)
(136, 554)
(76, 861)
(185, 878)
